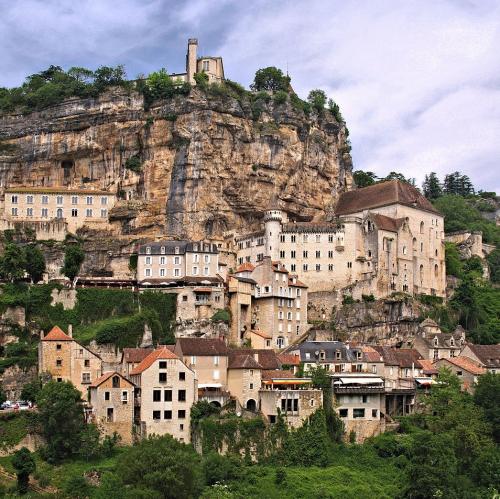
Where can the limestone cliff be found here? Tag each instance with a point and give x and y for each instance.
(206, 164)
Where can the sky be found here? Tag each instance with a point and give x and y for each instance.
(418, 82)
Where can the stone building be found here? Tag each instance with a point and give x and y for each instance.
(131, 358)
(112, 402)
(467, 370)
(278, 305)
(293, 398)
(240, 294)
(211, 66)
(188, 269)
(66, 360)
(384, 238)
(244, 378)
(433, 344)
(55, 211)
(487, 356)
(208, 358)
(360, 402)
(166, 390)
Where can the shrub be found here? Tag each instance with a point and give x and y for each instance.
(201, 79)
(317, 99)
(73, 259)
(221, 315)
(280, 97)
(347, 300)
(368, 298)
(133, 164)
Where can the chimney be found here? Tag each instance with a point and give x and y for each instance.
(42, 335)
(70, 330)
(256, 356)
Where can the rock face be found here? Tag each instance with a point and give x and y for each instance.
(207, 166)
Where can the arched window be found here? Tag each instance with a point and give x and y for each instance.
(405, 250)
(414, 244)
(251, 405)
(436, 270)
(421, 227)
(59, 213)
(421, 273)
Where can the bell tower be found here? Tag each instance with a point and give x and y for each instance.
(191, 59)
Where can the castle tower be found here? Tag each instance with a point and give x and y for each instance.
(191, 59)
(272, 223)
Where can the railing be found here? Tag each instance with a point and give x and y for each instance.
(358, 389)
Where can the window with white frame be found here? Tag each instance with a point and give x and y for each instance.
(162, 260)
(148, 260)
(162, 272)
(74, 199)
(29, 212)
(74, 212)
(59, 199)
(104, 200)
(14, 212)
(29, 199)
(45, 212)
(14, 199)
(177, 272)
(45, 199)
(177, 260)
(104, 213)
(147, 272)
(90, 200)
(205, 271)
(88, 212)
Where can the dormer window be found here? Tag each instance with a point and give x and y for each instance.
(162, 250)
(148, 250)
(195, 247)
(436, 342)
(452, 342)
(337, 354)
(176, 250)
(322, 355)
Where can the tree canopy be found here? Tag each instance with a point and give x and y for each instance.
(73, 259)
(270, 79)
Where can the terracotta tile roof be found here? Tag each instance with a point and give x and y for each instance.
(489, 355)
(276, 374)
(289, 359)
(242, 361)
(387, 223)
(297, 284)
(57, 334)
(106, 376)
(135, 355)
(371, 355)
(267, 358)
(158, 354)
(262, 334)
(465, 363)
(383, 194)
(427, 366)
(245, 267)
(202, 346)
(279, 267)
(402, 357)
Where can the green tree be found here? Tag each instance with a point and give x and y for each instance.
(364, 179)
(486, 468)
(456, 183)
(431, 187)
(335, 110)
(317, 98)
(60, 412)
(89, 443)
(493, 260)
(164, 466)
(487, 396)
(3, 397)
(453, 262)
(432, 466)
(107, 76)
(12, 262)
(35, 262)
(24, 464)
(31, 390)
(77, 487)
(270, 79)
(160, 85)
(220, 469)
(399, 176)
(73, 259)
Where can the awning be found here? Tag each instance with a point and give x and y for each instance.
(358, 381)
(425, 381)
(209, 385)
(203, 290)
(281, 381)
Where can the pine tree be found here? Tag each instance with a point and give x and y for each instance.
(431, 186)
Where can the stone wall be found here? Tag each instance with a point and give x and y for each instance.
(14, 378)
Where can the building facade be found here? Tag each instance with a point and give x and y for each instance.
(66, 360)
(70, 208)
(112, 402)
(166, 390)
(383, 238)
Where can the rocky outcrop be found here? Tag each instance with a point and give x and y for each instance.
(207, 166)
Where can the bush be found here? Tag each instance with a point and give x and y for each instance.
(222, 315)
(317, 99)
(368, 298)
(280, 97)
(270, 79)
(348, 300)
(133, 164)
(201, 79)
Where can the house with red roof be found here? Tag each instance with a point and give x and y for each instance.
(466, 369)
(64, 359)
(166, 388)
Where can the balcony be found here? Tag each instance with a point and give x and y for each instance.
(358, 389)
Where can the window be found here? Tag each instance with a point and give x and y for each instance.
(29, 199)
(293, 238)
(58, 362)
(74, 199)
(318, 254)
(364, 399)
(304, 254)
(318, 267)
(58, 346)
(405, 250)
(14, 212)
(157, 415)
(29, 212)
(216, 374)
(59, 213)
(181, 414)
(358, 413)
(282, 254)
(459, 373)
(162, 377)
(85, 378)
(349, 265)
(148, 260)
(206, 65)
(167, 414)
(318, 238)
(45, 212)
(162, 272)
(304, 238)
(59, 200)
(330, 267)
(148, 250)
(343, 413)
(110, 415)
(74, 212)
(104, 213)
(88, 212)
(206, 258)
(374, 413)
(304, 267)
(293, 267)
(147, 272)
(177, 260)
(167, 395)
(184, 298)
(193, 360)
(86, 363)
(156, 395)
(106, 395)
(177, 272)
(45, 199)
(182, 376)
(421, 227)
(205, 271)
(124, 396)
(104, 200)
(181, 396)
(90, 199)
